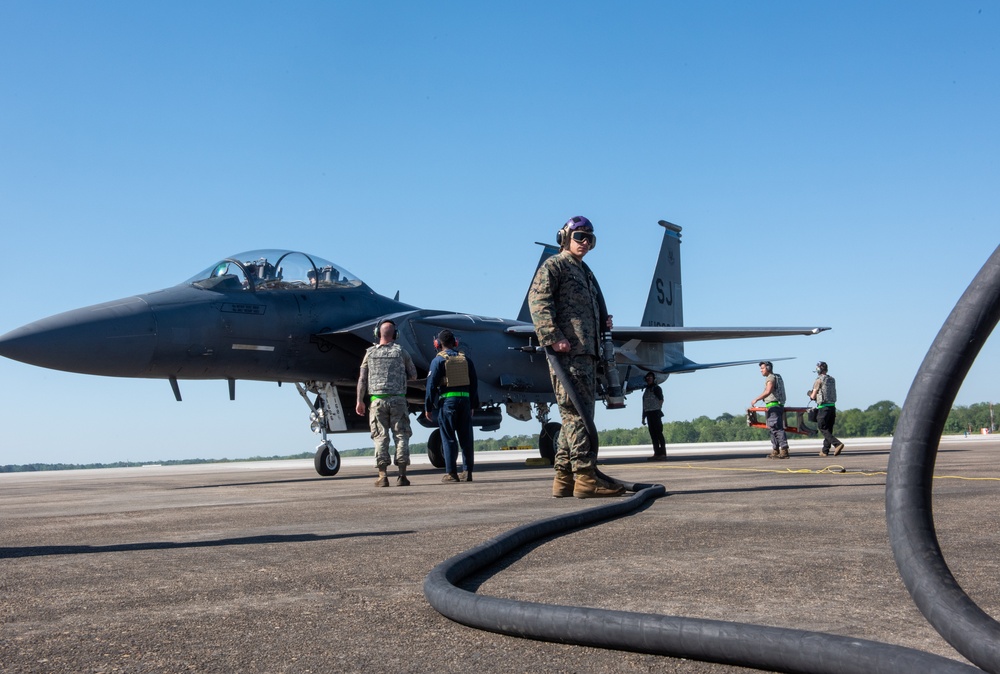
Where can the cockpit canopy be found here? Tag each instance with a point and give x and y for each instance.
(274, 270)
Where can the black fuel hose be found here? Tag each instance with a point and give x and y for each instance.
(769, 648)
(909, 514)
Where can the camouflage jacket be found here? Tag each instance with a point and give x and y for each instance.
(563, 300)
(825, 387)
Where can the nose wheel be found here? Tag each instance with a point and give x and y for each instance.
(327, 459)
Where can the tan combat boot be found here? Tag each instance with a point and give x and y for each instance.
(562, 484)
(783, 454)
(401, 481)
(586, 486)
(382, 480)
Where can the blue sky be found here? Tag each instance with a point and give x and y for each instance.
(831, 164)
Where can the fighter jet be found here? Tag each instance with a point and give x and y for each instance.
(290, 317)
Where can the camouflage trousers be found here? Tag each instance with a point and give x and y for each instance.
(385, 415)
(574, 451)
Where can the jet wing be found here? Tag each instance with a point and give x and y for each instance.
(354, 339)
(670, 335)
(667, 335)
(691, 366)
(362, 330)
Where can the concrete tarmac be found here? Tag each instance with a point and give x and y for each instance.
(266, 567)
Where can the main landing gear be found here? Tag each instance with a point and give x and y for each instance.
(434, 454)
(548, 437)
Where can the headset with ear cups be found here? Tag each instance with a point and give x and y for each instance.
(576, 222)
(378, 329)
(440, 347)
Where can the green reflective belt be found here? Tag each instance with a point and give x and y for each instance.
(819, 407)
(772, 404)
(382, 396)
(455, 394)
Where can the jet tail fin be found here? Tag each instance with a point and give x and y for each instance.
(664, 308)
(548, 250)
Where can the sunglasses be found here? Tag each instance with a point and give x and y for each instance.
(581, 237)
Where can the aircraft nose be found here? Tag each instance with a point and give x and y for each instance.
(114, 339)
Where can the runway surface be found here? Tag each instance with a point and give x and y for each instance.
(266, 567)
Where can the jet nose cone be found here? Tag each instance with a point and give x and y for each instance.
(114, 339)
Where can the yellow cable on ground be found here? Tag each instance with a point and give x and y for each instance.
(833, 469)
(960, 477)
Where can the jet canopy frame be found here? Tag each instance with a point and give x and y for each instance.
(274, 269)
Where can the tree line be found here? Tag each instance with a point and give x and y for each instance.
(878, 420)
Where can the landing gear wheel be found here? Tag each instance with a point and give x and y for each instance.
(434, 449)
(547, 440)
(327, 460)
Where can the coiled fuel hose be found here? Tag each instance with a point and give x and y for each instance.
(973, 633)
(909, 514)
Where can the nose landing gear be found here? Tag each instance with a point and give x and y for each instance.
(326, 414)
(327, 459)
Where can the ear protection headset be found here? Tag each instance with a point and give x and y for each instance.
(439, 346)
(767, 364)
(378, 329)
(574, 223)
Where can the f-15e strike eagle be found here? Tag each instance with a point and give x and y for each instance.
(290, 317)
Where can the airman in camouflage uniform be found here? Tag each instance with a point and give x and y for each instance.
(565, 309)
(385, 370)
